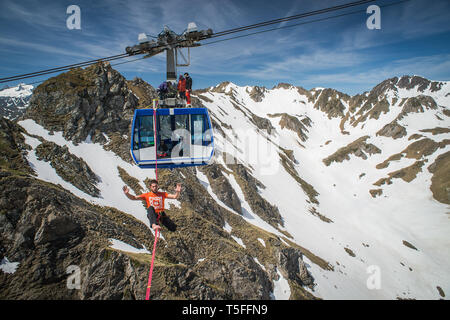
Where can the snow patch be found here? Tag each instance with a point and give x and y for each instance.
(8, 267)
(281, 288)
(122, 246)
(239, 240)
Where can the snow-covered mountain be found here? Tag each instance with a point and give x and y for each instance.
(312, 194)
(14, 101)
(369, 162)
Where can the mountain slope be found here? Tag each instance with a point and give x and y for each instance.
(372, 229)
(309, 193)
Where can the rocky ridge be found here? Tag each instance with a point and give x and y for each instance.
(46, 228)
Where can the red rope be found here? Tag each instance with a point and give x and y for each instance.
(156, 143)
(150, 274)
(147, 296)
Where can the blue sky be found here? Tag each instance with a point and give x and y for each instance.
(340, 53)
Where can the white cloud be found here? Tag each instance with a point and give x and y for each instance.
(41, 47)
(37, 14)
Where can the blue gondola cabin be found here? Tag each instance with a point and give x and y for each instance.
(184, 137)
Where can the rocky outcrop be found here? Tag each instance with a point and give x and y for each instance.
(330, 102)
(69, 167)
(358, 148)
(293, 123)
(408, 82)
(393, 130)
(416, 150)
(257, 93)
(13, 149)
(291, 266)
(440, 182)
(47, 229)
(407, 174)
(220, 88)
(221, 187)
(143, 91)
(380, 90)
(416, 105)
(258, 204)
(283, 85)
(375, 110)
(262, 123)
(84, 103)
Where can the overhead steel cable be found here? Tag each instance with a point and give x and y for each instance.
(294, 17)
(112, 65)
(263, 31)
(64, 68)
(301, 23)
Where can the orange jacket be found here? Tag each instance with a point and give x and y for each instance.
(156, 200)
(182, 85)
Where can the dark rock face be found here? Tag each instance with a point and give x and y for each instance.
(221, 187)
(292, 267)
(329, 102)
(145, 92)
(13, 148)
(47, 229)
(393, 130)
(407, 82)
(84, 103)
(258, 204)
(262, 123)
(440, 182)
(358, 148)
(257, 93)
(243, 278)
(416, 105)
(293, 123)
(381, 89)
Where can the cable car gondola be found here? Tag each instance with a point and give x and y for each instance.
(183, 138)
(171, 136)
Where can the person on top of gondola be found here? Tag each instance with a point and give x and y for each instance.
(172, 89)
(155, 205)
(188, 87)
(182, 87)
(162, 90)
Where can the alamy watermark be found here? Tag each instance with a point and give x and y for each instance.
(374, 280)
(74, 20)
(259, 150)
(74, 278)
(374, 21)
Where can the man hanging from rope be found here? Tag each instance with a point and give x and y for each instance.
(155, 205)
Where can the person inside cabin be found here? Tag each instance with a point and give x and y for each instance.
(182, 87)
(163, 150)
(154, 201)
(188, 88)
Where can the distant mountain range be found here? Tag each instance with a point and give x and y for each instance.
(14, 101)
